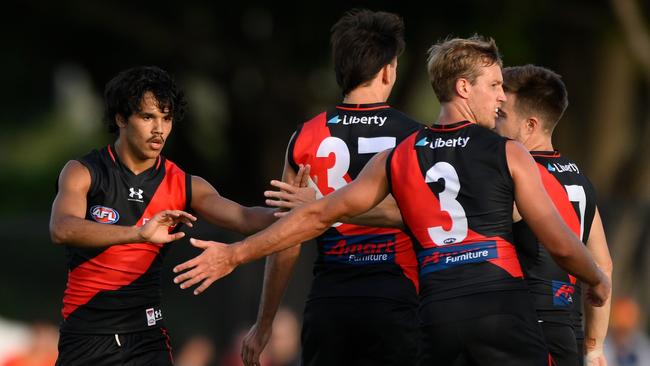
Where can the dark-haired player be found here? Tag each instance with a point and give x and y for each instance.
(362, 307)
(114, 209)
(537, 98)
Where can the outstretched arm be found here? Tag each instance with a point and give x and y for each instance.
(540, 214)
(224, 213)
(385, 214)
(68, 224)
(229, 215)
(308, 221)
(301, 224)
(597, 318)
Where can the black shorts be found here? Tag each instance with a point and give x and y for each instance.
(150, 347)
(359, 331)
(561, 341)
(495, 328)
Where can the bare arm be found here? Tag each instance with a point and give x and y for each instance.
(597, 318)
(227, 214)
(68, 224)
(277, 272)
(309, 221)
(540, 214)
(385, 214)
(202, 266)
(301, 224)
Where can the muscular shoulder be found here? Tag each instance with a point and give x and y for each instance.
(518, 157)
(201, 188)
(75, 176)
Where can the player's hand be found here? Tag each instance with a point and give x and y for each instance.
(288, 197)
(598, 294)
(254, 343)
(302, 177)
(291, 194)
(216, 261)
(595, 358)
(156, 230)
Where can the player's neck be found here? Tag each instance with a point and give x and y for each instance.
(366, 95)
(452, 112)
(130, 159)
(539, 143)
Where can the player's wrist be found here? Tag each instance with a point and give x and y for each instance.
(593, 354)
(265, 318)
(264, 324)
(591, 344)
(599, 278)
(238, 254)
(137, 232)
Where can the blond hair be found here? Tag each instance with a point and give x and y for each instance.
(457, 58)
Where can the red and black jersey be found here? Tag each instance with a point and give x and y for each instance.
(454, 189)
(557, 294)
(356, 260)
(116, 289)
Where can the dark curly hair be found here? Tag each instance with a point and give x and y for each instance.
(124, 93)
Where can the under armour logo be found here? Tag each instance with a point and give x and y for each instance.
(135, 193)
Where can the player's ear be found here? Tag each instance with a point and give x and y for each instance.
(389, 72)
(532, 124)
(463, 87)
(385, 74)
(120, 121)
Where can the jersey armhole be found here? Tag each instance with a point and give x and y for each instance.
(592, 201)
(188, 192)
(389, 179)
(407, 229)
(93, 176)
(503, 156)
(290, 149)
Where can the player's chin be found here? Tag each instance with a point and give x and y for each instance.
(491, 122)
(488, 123)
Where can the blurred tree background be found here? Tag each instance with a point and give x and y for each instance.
(252, 72)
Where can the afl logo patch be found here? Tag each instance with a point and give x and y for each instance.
(104, 215)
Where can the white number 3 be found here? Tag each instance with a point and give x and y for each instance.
(448, 203)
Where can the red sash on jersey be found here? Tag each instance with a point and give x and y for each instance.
(120, 265)
(559, 196)
(421, 210)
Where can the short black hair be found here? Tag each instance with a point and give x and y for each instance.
(364, 41)
(123, 94)
(537, 89)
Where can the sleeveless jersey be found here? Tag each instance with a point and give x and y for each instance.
(557, 295)
(454, 189)
(356, 260)
(116, 289)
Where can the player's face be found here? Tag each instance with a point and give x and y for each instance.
(146, 131)
(486, 95)
(509, 122)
